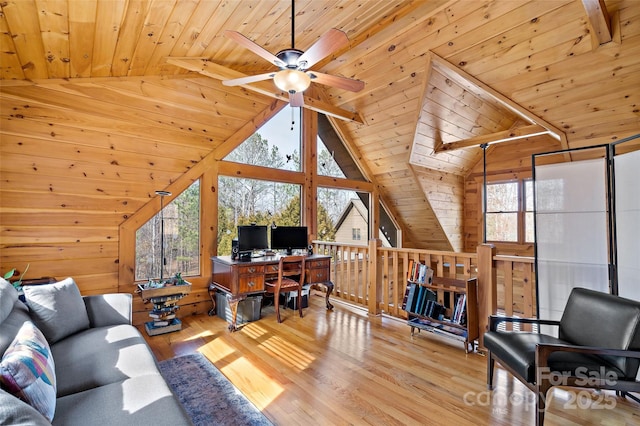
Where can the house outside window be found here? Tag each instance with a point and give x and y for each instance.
(509, 215)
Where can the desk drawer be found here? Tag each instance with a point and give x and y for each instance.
(271, 269)
(251, 283)
(317, 275)
(251, 269)
(314, 264)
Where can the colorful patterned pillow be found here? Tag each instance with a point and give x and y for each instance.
(28, 372)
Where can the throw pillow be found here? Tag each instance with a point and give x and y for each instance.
(27, 370)
(57, 309)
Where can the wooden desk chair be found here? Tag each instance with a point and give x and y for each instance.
(289, 267)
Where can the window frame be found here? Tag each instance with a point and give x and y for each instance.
(520, 213)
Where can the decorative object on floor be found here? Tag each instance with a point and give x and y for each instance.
(207, 395)
(164, 295)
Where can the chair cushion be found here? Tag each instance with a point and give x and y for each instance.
(518, 351)
(27, 370)
(593, 318)
(57, 309)
(287, 283)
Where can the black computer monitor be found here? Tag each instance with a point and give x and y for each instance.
(252, 237)
(289, 238)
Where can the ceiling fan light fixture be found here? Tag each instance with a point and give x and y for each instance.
(292, 81)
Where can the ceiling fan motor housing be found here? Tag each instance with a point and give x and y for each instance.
(289, 58)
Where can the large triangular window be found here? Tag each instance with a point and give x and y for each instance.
(276, 144)
(343, 215)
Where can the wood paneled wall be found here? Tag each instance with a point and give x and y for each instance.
(78, 158)
(505, 161)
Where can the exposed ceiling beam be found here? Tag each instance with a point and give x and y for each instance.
(474, 85)
(498, 137)
(599, 21)
(219, 72)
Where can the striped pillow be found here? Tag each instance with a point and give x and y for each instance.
(28, 372)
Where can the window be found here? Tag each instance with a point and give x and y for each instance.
(340, 212)
(243, 201)
(355, 232)
(509, 215)
(181, 239)
(276, 144)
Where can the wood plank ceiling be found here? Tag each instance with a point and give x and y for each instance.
(100, 68)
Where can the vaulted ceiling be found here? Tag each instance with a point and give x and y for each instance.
(441, 77)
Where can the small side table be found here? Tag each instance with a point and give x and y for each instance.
(165, 304)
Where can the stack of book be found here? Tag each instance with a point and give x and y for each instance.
(164, 309)
(459, 313)
(419, 273)
(165, 304)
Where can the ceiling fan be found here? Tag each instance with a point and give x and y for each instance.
(295, 75)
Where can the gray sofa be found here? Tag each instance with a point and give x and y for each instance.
(105, 374)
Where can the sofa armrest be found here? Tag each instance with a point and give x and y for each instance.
(494, 320)
(109, 309)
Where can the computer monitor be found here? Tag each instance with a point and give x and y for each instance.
(289, 238)
(252, 237)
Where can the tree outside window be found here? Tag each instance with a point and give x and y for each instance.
(181, 239)
(243, 201)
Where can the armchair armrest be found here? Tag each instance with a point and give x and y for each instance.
(109, 309)
(544, 350)
(494, 320)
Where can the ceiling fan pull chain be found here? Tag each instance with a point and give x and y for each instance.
(293, 120)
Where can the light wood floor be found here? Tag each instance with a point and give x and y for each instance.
(346, 367)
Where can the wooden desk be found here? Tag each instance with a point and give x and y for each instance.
(239, 279)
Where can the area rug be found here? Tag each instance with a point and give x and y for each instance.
(207, 395)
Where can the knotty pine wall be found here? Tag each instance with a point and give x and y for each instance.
(79, 159)
(505, 161)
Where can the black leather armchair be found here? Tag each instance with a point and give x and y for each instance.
(598, 346)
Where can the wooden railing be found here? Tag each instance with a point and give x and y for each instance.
(506, 284)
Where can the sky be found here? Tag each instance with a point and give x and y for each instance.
(278, 130)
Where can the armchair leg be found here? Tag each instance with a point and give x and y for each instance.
(541, 400)
(490, 366)
(300, 301)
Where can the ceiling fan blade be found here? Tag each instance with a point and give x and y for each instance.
(255, 48)
(248, 79)
(296, 99)
(331, 41)
(336, 81)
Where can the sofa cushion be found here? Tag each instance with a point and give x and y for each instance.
(16, 412)
(27, 370)
(143, 400)
(57, 309)
(14, 315)
(99, 356)
(8, 296)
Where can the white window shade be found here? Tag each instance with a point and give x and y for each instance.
(571, 232)
(627, 177)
